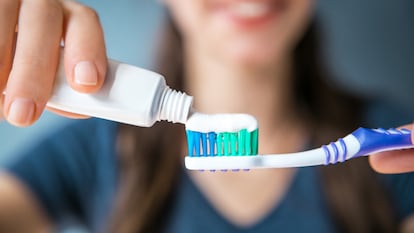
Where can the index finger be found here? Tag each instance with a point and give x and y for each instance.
(34, 64)
(391, 162)
(84, 54)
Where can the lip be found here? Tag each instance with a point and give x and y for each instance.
(248, 13)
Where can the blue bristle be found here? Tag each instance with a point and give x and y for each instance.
(197, 137)
(204, 143)
(193, 140)
(212, 142)
(190, 142)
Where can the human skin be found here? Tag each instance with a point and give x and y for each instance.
(29, 54)
(394, 161)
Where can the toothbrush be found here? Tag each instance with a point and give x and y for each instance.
(359, 143)
(215, 142)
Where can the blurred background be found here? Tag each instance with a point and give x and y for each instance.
(368, 48)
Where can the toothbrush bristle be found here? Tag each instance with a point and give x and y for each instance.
(241, 143)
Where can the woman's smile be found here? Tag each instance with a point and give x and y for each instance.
(247, 13)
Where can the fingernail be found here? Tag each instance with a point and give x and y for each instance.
(21, 112)
(86, 73)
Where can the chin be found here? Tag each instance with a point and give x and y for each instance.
(254, 57)
(252, 61)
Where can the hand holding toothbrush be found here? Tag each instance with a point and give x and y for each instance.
(394, 161)
(29, 54)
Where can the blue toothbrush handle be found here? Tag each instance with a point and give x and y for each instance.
(365, 141)
(377, 140)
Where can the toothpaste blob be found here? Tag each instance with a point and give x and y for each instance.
(221, 122)
(221, 135)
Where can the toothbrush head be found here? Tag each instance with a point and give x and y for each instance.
(240, 143)
(221, 135)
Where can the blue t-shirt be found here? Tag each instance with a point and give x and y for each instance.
(73, 173)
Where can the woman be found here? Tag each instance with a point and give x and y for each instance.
(257, 57)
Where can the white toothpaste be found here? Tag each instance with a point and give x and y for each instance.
(221, 122)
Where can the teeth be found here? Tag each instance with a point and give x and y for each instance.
(249, 9)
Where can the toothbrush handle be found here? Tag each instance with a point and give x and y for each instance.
(377, 140)
(365, 141)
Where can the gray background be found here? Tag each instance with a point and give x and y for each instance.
(368, 46)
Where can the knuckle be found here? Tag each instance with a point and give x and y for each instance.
(31, 62)
(27, 59)
(50, 9)
(55, 11)
(86, 11)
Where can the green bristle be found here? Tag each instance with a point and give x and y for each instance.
(255, 142)
(233, 143)
(242, 142)
(226, 144)
(248, 143)
(239, 143)
(219, 144)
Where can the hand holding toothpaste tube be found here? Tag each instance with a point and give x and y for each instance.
(30, 40)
